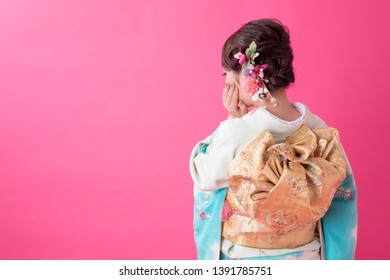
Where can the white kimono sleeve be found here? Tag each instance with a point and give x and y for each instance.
(210, 158)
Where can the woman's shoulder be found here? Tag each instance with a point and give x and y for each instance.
(230, 126)
(315, 121)
(233, 131)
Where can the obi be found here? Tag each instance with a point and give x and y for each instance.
(278, 192)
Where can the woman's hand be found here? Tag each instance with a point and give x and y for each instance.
(230, 101)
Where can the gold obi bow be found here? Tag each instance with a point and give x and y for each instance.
(277, 192)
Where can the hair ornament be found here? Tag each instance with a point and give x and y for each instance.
(254, 82)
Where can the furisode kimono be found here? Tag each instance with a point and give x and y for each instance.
(266, 188)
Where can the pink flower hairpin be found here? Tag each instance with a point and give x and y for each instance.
(254, 82)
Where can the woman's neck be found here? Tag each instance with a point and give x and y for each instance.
(285, 111)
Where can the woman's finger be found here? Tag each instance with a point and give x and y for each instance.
(235, 97)
(233, 105)
(224, 94)
(229, 95)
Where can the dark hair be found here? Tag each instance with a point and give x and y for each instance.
(273, 44)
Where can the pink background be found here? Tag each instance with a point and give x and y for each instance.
(101, 103)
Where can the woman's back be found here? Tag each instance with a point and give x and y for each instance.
(257, 60)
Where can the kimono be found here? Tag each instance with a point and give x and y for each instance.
(215, 230)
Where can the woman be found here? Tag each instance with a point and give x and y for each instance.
(228, 221)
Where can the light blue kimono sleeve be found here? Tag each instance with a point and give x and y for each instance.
(209, 164)
(340, 222)
(208, 224)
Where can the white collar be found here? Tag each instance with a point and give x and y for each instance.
(302, 108)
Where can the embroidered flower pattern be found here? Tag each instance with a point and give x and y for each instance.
(344, 193)
(283, 223)
(298, 187)
(203, 215)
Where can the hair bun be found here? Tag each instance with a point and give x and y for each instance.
(273, 44)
